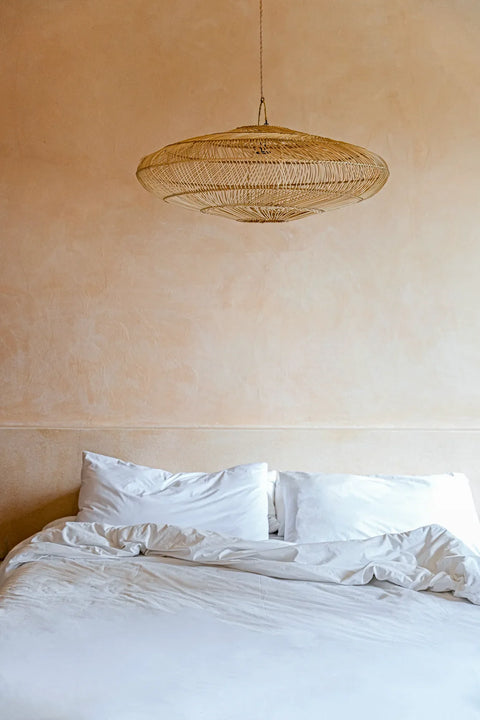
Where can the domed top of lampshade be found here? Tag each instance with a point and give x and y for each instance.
(262, 173)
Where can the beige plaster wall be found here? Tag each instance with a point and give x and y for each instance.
(119, 310)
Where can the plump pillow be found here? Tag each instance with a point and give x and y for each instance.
(232, 502)
(325, 507)
(273, 523)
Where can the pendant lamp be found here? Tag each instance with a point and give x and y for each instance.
(262, 173)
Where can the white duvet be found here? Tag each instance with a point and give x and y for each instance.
(146, 622)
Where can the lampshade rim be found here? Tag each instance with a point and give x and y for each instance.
(310, 211)
(213, 160)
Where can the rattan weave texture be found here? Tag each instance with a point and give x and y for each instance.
(262, 173)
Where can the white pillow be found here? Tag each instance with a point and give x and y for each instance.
(323, 507)
(233, 502)
(273, 523)
(279, 506)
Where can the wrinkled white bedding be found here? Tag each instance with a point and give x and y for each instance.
(146, 622)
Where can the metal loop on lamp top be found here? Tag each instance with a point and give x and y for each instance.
(262, 106)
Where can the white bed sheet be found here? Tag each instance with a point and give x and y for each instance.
(102, 633)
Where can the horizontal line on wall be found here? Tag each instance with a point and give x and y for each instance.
(370, 428)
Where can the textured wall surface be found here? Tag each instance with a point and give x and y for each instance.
(119, 310)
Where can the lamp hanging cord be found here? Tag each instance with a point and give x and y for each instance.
(262, 98)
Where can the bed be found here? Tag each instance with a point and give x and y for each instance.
(145, 620)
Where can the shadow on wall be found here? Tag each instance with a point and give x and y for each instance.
(12, 532)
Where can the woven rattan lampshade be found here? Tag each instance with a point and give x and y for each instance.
(262, 173)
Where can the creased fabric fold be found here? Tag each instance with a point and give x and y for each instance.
(428, 558)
